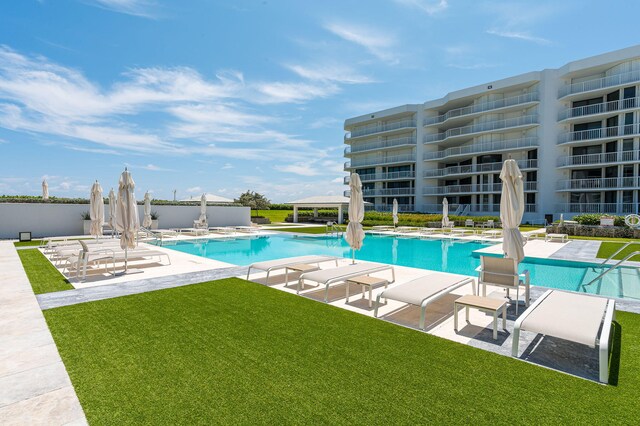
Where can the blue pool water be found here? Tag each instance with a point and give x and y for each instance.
(438, 255)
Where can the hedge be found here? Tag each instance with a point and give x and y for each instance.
(594, 219)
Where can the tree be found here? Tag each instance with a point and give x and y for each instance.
(254, 201)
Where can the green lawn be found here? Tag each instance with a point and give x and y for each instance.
(43, 276)
(236, 352)
(274, 215)
(608, 248)
(32, 243)
(302, 230)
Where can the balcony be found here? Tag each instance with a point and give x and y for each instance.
(473, 188)
(384, 192)
(627, 130)
(476, 208)
(602, 108)
(382, 176)
(379, 161)
(483, 107)
(477, 168)
(386, 144)
(490, 126)
(482, 148)
(401, 208)
(599, 184)
(615, 208)
(601, 158)
(378, 128)
(600, 83)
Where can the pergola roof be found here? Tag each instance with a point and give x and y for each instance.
(322, 201)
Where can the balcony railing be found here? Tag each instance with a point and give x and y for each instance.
(477, 168)
(483, 127)
(476, 208)
(382, 176)
(600, 83)
(482, 148)
(599, 183)
(380, 192)
(473, 188)
(602, 133)
(601, 158)
(389, 143)
(622, 208)
(391, 159)
(377, 128)
(601, 108)
(486, 106)
(401, 208)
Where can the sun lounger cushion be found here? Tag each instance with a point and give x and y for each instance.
(281, 263)
(574, 317)
(416, 291)
(324, 275)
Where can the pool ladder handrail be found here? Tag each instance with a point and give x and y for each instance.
(150, 234)
(332, 227)
(618, 251)
(615, 266)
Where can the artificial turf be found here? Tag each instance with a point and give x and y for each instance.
(32, 243)
(44, 278)
(236, 352)
(608, 248)
(303, 229)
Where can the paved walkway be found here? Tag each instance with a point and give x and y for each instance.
(34, 385)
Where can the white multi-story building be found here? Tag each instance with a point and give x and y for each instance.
(575, 132)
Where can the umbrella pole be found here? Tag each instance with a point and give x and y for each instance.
(126, 256)
(353, 257)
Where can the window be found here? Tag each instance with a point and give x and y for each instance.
(627, 145)
(532, 176)
(611, 197)
(627, 170)
(613, 96)
(531, 197)
(533, 154)
(629, 97)
(399, 169)
(611, 146)
(584, 150)
(587, 102)
(484, 159)
(611, 172)
(586, 174)
(627, 197)
(628, 123)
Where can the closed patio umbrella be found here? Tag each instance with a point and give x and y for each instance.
(146, 221)
(96, 210)
(45, 190)
(395, 213)
(112, 212)
(445, 213)
(127, 222)
(355, 234)
(511, 210)
(203, 209)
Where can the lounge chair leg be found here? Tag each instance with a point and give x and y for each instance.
(515, 341)
(375, 311)
(249, 271)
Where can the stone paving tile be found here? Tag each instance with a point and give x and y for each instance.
(57, 407)
(27, 359)
(34, 382)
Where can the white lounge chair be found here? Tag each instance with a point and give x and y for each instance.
(424, 290)
(575, 317)
(503, 272)
(272, 265)
(555, 237)
(327, 277)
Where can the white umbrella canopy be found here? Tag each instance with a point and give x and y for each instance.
(203, 208)
(511, 210)
(395, 212)
(112, 210)
(561, 223)
(45, 190)
(127, 222)
(445, 212)
(96, 210)
(146, 221)
(355, 233)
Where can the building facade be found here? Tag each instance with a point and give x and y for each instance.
(575, 132)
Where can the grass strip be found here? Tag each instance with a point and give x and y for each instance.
(608, 248)
(44, 278)
(235, 352)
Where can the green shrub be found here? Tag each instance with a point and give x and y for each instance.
(594, 219)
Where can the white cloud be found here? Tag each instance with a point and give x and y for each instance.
(227, 166)
(330, 72)
(430, 7)
(194, 189)
(517, 20)
(284, 92)
(302, 169)
(374, 40)
(154, 168)
(326, 122)
(337, 180)
(142, 8)
(518, 36)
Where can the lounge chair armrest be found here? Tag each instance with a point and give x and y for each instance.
(479, 269)
(527, 278)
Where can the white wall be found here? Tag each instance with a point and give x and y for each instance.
(65, 219)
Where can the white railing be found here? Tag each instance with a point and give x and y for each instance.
(475, 208)
(473, 188)
(401, 208)
(602, 133)
(377, 128)
(486, 106)
(483, 147)
(351, 149)
(600, 83)
(477, 168)
(380, 192)
(599, 183)
(363, 162)
(597, 208)
(600, 108)
(382, 176)
(604, 157)
(483, 127)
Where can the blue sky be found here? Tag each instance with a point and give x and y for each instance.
(225, 96)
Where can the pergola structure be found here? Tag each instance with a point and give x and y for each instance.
(322, 202)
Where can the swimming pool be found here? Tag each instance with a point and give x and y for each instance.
(439, 255)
